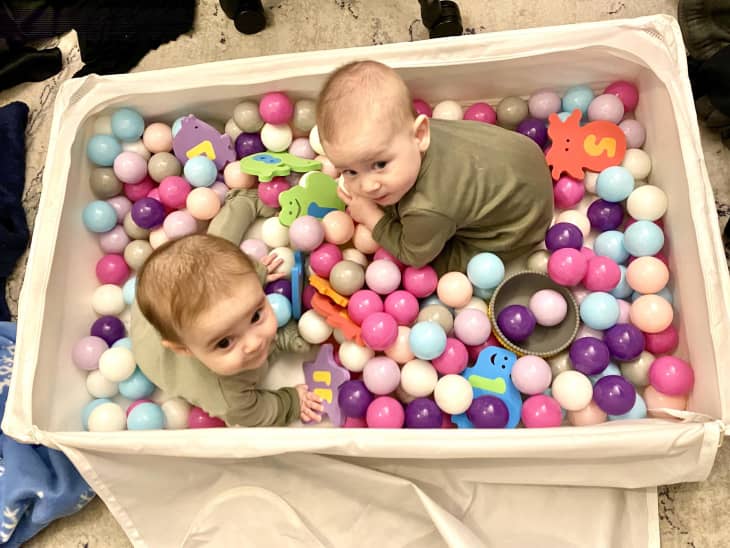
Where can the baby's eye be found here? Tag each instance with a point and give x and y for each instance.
(257, 316)
(349, 173)
(223, 343)
(380, 165)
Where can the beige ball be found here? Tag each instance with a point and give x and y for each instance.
(313, 328)
(347, 277)
(136, 253)
(108, 300)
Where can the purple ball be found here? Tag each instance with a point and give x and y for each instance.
(562, 235)
(624, 341)
(423, 413)
(247, 144)
(109, 328)
(282, 287)
(517, 322)
(148, 212)
(605, 215)
(86, 352)
(534, 129)
(589, 355)
(354, 399)
(614, 394)
(488, 412)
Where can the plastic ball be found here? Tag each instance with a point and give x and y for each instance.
(306, 233)
(104, 184)
(637, 370)
(287, 257)
(385, 412)
(281, 307)
(323, 259)
(117, 364)
(247, 117)
(99, 216)
(647, 203)
(614, 394)
(589, 355)
(103, 149)
(605, 215)
(381, 375)
(164, 164)
(638, 411)
(203, 203)
(602, 274)
(543, 103)
(656, 400)
(418, 378)
(538, 261)
(276, 108)
(363, 240)
(140, 190)
(534, 129)
(511, 111)
(423, 413)
(472, 327)
(86, 352)
(383, 277)
(109, 328)
(475, 303)
(671, 376)
(107, 417)
(148, 213)
(403, 306)
(174, 191)
(634, 132)
(362, 304)
(626, 92)
(197, 418)
(314, 140)
(89, 407)
(572, 390)
(625, 342)
(422, 107)
(122, 205)
(437, 313)
(453, 394)
(100, 387)
(579, 293)
(313, 328)
(562, 235)
(354, 399)
(235, 178)
(274, 234)
(531, 375)
(127, 124)
(270, 192)
(488, 412)
(651, 313)
(384, 254)
(178, 224)
(276, 138)
(638, 163)
(157, 137)
(447, 110)
(548, 306)
(577, 97)
(481, 112)
(615, 184)
(176, 412)
(305, 114)
(338, 227)
(379, 331)
(606, 107)
(353, 356)
(454, 358)
(254, 248)
(420, 282)
(130, 167)
(112, 269)
(136, 386)
(663, 342)
(541, 411)
(247, 144)
(107, 299)
(559, 363)
(428, 340)
(611, 244)
(200, 171)
(647, 275)
(128, 290)
(575, 218)
(454, 289)
(124, 342)
(599, 310)
(624, 310)
(347, 277)
(567, 192)
(591, 414)
(485, 270)
(280, 287)
(516, 322)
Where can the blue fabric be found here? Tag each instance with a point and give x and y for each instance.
(37, 484)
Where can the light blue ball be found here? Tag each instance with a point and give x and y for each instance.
(599, 310)
(611, 369)
(614, 184)
(282, 308)
(127, 125)
(99, 216)
(146, 416)
(89, 407)
(427, 340)
(623, 289)
(200, 171)
(485, 294)
(136, 386)
(664, 293)
(176, 125)
(102, 149)
(643, 238)
(577, 97)
(124, 342)
(638, 411)
(563, 116)
(129, 290)
(485, 270)
(611, 244)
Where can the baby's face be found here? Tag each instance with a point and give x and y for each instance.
(235, 333)
(378, 164)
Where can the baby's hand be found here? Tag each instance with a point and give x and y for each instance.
(272, 262)
(310, 406)
(364, 211)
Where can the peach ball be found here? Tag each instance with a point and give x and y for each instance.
(338, 227)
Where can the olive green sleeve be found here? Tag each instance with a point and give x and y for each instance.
(417, 238)
(288, 339)
(259, 407)
(238, 213)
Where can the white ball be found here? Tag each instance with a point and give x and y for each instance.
(353, 356)
(158, 237)
(286, 255)
(637, 162)
(339, 336)
(276, 137)
(107, 417)
(99, 387)
(108, 300)
(577, 218)
(117, 364)
(475, 303)
(355, 255)
(274, 234)
(559, 363)
(313, 328)
(315, 142)
(637, 371)
(103, 125)
(418, 378)
(176, 412)
(232, 130)
(572, 390)
(647, 203)
(448, 110)
(453, 394)
(590, 180)
(139, 148)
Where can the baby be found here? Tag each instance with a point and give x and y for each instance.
(203, 329)
(431, 191)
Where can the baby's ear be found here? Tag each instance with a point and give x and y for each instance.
(177, 348)
(422, 132)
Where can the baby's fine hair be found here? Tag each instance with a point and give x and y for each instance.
(360, 90)
(183, 277)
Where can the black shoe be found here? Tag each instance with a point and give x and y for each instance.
(441, 18)
(248, 15)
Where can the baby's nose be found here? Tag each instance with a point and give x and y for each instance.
(252, 344)
(370, 185)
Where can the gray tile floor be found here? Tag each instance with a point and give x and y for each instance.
(691, 514)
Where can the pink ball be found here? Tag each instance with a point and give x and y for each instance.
(306, 233)
(481, 112)
(114, 241)
(112, 269)
(422, 107)
(549, 307)
(269, 192)
(135, 403)
(541, 411)
(254, 248)
(627, 92)
(587, 252)
(454, 358)
(455, 290)
(531, 375)
(602, 274)
(276, 108)
(178, 224)
(139, 190)
(379, 331)
(634, 132)
(220, 188)
(624, 310)
(121, 205)
(472, 327)
(606, 107)
(86, 352)
(671, 376)
(579, 293)
(403, 306)
(300, 147)
(591, 414)
(362, 304)
(385, 255)
(200, 419)
(567, 266)
(567, 192)
(385, 412)
(130, 167)
(664, 342)
(421, 282)
(324, 258)
(352, 422)
(381, 375)
(382, 276)
(307, 295)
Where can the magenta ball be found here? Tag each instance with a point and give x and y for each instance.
(567, 266)
(114, 241)
(362, 304)
(354, 399)
(420, 282)
(454, 358)
(148, 213)
(403, 306)
(86, 352)
(567, 192)
(276, 108)
(140, 190)
(112, 269)
(382, 276)
(423, 413)
(602, 274)
(174, 191)
(671, 376)
(385, 255)
(488, 412)
(634, 132)
(516, 322)
(307, 295)
(381, 375)
(269, 192)
(130, 167)
(324, 258)
(306, 233)
(481, 112)
(422, 107)
(627, 92)
(663, 342)
(385, 412)
(108, 328)
(541, 411)
(200, 419)
(549, 307)
(472, 327)
(379, 331)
